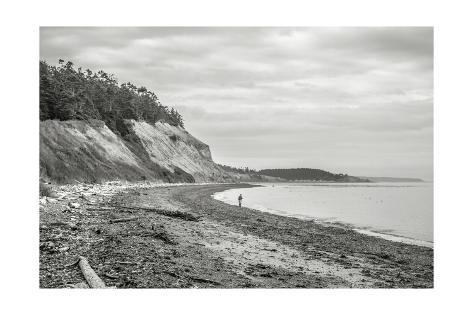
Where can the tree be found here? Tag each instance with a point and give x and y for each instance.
(69, 93)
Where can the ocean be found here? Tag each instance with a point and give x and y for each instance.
(396, 211)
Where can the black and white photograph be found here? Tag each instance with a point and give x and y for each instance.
(236, 157)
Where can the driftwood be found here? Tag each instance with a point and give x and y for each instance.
(124, 220)
(58, 223)
(126, 262)
(160, 235)
(90, 276)
(100, 208)
(111, 276)
(173, 214)
(53, 239)
(172, 273)
(202, 280)
(72, 264)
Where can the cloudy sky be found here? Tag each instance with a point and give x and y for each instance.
(351, 100)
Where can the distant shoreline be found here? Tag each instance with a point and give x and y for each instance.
(392, 179)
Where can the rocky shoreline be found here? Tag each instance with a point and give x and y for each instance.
(155, 236)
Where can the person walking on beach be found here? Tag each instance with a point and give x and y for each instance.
(240, 198)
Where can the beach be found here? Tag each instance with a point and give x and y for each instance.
(180, 237)
(402, 211)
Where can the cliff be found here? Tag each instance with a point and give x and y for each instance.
(88, 151)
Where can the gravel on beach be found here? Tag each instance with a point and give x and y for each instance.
(155, 236)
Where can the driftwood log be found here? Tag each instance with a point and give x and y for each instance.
(173, 214)
(161, 236)
(203, 280)
(90, 276)
(100, 208)
(124, 220)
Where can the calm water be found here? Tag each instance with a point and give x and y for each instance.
(397, 211)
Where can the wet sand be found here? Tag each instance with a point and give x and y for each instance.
(228, 247)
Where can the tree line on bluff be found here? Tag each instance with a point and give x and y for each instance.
(67, 93)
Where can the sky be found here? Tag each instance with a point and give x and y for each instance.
(346, 100)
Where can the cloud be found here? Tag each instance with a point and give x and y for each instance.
(301, 96)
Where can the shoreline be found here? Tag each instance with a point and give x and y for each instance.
(229, 247)
(396, 238)
(362, 230)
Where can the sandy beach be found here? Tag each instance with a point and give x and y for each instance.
(180, 237)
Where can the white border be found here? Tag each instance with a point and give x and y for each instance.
(453, 158)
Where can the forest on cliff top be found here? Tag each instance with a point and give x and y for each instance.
(69, 93)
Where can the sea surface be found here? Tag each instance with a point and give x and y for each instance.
(397, 211)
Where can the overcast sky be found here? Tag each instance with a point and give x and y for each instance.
(351, 100)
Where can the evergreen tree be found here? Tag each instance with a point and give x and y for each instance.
(67, 93)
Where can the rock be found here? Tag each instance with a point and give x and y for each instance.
(73, 226)
(43, 201)
(47, 246)
(84, 197)
(54, 195)
(74, 205)
(63, 249)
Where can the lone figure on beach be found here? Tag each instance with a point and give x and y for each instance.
(240, 198)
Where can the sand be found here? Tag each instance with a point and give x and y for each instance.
(229, 247)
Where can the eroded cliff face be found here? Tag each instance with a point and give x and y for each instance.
(88, 151)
